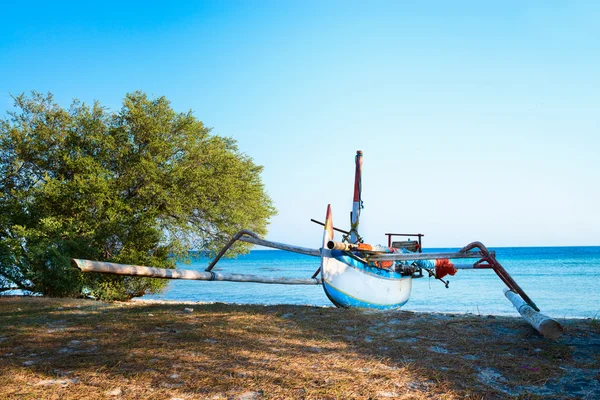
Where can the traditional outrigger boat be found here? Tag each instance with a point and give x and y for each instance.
(356, 274)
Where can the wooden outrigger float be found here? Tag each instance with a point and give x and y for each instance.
(356, 274)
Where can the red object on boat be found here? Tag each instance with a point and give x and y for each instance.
(444, 267)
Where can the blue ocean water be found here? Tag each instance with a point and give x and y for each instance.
(562, 281)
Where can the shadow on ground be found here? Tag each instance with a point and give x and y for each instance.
(60, 348)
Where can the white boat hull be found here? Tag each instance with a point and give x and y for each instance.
(351, 283)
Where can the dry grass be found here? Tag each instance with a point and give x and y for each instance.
(62, 348)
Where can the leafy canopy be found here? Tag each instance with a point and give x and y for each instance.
(142, 185)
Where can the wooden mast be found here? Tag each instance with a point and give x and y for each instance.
(357, 201)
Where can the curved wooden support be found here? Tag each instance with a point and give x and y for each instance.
(250, 237)
(228, 245)
(490, 258)
(474, 245)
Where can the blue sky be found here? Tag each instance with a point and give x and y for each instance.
(479, 120)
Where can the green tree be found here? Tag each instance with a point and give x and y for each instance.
(142, 185)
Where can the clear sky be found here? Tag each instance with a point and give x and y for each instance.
(479, 120)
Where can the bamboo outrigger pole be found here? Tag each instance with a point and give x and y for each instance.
(164, 273)
(545, 325)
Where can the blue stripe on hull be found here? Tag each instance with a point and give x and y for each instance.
(344, 300)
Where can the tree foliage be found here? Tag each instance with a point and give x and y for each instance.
(141, 185)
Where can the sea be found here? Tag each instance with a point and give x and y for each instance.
(564, 282)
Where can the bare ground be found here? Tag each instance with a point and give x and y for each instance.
(74, 349)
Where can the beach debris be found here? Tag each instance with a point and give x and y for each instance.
(60, 382)
(250, 395)
(388, 394)
(60, 372)
(188, 310)
(420, 386)
(65, 350)
(406, 340)
(494, 379)
(438, 349)
(115, 392)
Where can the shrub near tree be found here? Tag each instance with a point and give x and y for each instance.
(142, 185)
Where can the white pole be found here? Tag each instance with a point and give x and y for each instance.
(545, 325)
(164, 273)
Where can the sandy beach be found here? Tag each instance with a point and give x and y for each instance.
(73, 349)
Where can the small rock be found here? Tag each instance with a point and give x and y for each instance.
(387, 394)
(18, 309)
(61, 382)
(65, 350)
(188, 310)
(174, 376)
(250, 395)
(151, 315)
(438, 349)
(406, 340)
(115, 392)
(62, 373)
